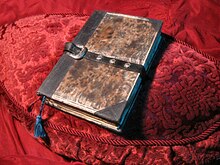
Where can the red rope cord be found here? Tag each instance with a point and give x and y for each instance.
(118, 142)
(124, 142)
(216, 61)
(77, 14)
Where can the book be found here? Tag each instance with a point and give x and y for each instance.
(101, 71)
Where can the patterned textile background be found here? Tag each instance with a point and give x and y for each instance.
(175, 119)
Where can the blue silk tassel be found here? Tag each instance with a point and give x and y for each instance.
(39, 130)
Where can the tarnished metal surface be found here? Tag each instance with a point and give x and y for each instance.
(123, 37)
(93, 86)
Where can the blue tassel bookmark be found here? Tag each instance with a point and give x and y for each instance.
(39, 129)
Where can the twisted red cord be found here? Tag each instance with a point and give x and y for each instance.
(217, 62)
(124, 142)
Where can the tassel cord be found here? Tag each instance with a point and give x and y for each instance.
(42, 105)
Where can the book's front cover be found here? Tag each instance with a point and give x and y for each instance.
(99, 88)
(96, 88)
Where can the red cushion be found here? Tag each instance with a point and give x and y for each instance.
(175, 114)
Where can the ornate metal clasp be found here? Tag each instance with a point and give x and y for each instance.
(75, 51)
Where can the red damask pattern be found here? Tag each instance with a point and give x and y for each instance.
(176, 106)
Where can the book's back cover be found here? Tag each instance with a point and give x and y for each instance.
(98, 88)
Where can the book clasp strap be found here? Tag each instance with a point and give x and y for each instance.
(78, 52)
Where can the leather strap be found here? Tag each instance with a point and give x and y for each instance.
(79, 52)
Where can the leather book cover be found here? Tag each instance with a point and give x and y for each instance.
(100, 72)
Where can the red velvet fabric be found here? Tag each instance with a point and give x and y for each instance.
(18, 147)
(195, 22)
(178, 108)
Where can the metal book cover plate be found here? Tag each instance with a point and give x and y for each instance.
(124, 37)
(93, 87)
